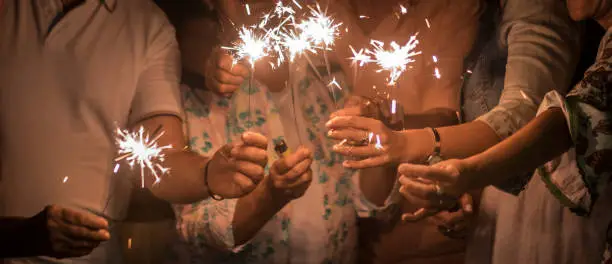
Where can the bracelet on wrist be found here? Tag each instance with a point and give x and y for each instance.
(435, 155)
(212, 195)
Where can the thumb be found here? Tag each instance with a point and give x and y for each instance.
(467, 204)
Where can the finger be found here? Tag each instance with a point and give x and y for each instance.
(224, 88)
(461, 226)
(418, 215)
(226, 62)
(358, 151)
(245, 183)
(251, 170)
(226, 77)
(357, 122)
(303, 179)
(79, 233)
(452, 219)
(351, 134)
(294, 174)
(438, 219)
(467, 204)
(250, 154)
(418, 189)
(427, 172)
(284, 165)
(83, 219)
(367, 163)
(418, 201)
(348, 111)
(255, 139)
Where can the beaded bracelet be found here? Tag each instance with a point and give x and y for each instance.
(212, 195)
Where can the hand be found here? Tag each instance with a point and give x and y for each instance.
(435, 187)
(376, 108)
(381, 145)
(223, 76)
(290, 176)
(72, 233)
(456, 224)
(237, 168)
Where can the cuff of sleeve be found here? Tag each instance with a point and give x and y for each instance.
(208, 224)
(562, 175)
(367, 209)
(509, 117)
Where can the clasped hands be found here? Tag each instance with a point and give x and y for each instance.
(367, 136)
(238, 168)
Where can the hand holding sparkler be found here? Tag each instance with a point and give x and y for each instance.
(237, 168)
(223, 74)
(70, 233)
(290, 176)
(381, 145)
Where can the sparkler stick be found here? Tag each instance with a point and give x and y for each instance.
(322, 30)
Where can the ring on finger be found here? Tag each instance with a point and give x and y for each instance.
(439, 190)
(366, 139)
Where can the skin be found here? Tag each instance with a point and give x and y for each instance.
(543, 139)
(55, 232)
(289, 176)
(228, 79)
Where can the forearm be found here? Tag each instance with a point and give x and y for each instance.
(376, 183)
(253, 212)
(185, 181)
(543, 139)
(465, 140)
(22, 237)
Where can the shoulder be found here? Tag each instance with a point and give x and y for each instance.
(594, 88)
(145, 14)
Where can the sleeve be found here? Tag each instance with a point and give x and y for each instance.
(578, 177)
(157, 90)
(207, 225)
(366, 209)
(542, 53)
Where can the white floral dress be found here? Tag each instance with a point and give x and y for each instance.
(326, 214)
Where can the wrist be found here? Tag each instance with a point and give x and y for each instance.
(207, 189)
(472, 167)
(37, 234)
(273, 196)
(417, 145)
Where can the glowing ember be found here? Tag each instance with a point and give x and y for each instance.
(334, 83)
(250, 47)
(378, 145)
(359, 58)
(141, 149)
(65, 179)
(395, 60)
(320, 28)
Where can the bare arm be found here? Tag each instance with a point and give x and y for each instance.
(22, 237)
(253, 212)
(185, 182)
(543, 139)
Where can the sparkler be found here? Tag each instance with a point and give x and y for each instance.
(395, 61)
(142, 150)
(322, 31)
(250, 47)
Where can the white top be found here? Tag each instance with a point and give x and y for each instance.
(65, 88)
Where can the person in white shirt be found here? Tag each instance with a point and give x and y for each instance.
(73, 71)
